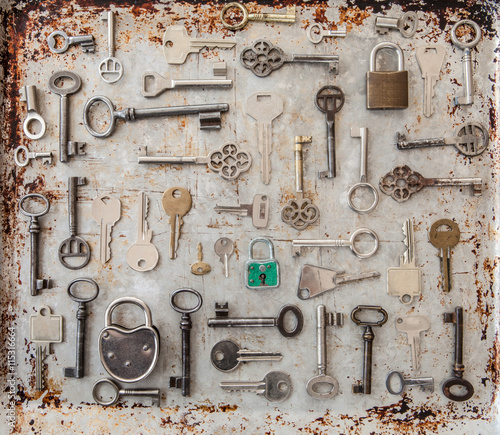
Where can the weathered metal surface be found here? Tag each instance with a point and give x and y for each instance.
(111, 166)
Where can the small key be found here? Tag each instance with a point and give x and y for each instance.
(224, 247)
(143, 255)
(177, 44)
(200, 267)
(407, 24)
(226, 355)
(430, 60)
(106, 211)
(110, 69)
(259, 210)
(28, 95)
(424, 383)
(444, 241)
(22, 150)
(275, 387)
(265, 107)
(176, 202)
(413, 326)
(86, 42)
(99, 394)
(316, 33)
(288, 17)
(45, 328)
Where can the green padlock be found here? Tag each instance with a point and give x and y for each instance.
(264, 273)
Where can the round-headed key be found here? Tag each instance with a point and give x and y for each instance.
(176, 202)
(444, 241)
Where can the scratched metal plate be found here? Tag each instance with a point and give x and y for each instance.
(111, 167)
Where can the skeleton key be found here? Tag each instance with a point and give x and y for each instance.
(407, 24)
(224, 247)
(177, 44)
(264, 107)
(106, 211)
(110, 69)
(413, 326)
(45, 328)
(143, 255)
(200, 267)
(22, 150)
(275, 387)
(176, 202)
(424, 383)
(86, 41)
(444, 241)
(226, 355)
(259, 210)
(28, 95)
(430, 59)
(316, 33)
(116, 392)
(288, 17)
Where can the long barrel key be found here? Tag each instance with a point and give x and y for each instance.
(275, 387)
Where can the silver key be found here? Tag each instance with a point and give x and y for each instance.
(287, 17)
(99, 394)
(226, 355)
(28, 95)
(224, 247)
(264, 107)
(22, 150)
(45, 328)
(430, 60)
(424, 383)
(316, 33)
(258, 210)
(413, 326)
(177, 44)
(106, 211)
(110, 69)
(407, 24)
(275, 387)
(86, 41)
(176, 202)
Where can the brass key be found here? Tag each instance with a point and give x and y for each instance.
(176, 202)
(288, 17)
(444, 241)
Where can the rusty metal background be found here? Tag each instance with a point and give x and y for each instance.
(111, 166)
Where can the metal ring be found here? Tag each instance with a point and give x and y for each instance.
(388, 382)
(340, 96)
(355, 236)
(411, 18)
(243, 10)
(461, 382)
(464, 45)
(359, 186)
(113, 385)
(34, 195)
(65, 91)
(51, 40)
(281, 320)
(18, 152)
(128, 300)
(33, 116)
(83, 300)
(185, 310)
(112, 119)
(369, 308)
(315, 39)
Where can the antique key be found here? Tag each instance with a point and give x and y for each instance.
(365, 387)
(28, 95)
(116, 392)
(407, 24)
(45, 328)
(424, 383)
(143, 255)
(226, 355)
(258, 210)
(200, 267)
(81, 317)
(444, 241)
(413, 325)
(22, 150)
(184, 381)
(275, 387)
(288, 17)
(402, 182)
(316, 33)
(110, 69)
(224, 247)
(86, 42)
(176, 202)
(430, 60)
(74, 246)
(35, 284)
(106, 211)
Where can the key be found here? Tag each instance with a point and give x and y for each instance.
(466, 390)
(22, 150)
(98, 393)
(413, 326)
(106, 211)
(177, 44)
(365, 387)
(259, 210)
(200, 267)
(226, 355)
(85, 41)
(265, 107)
(28, 95)
(262, 58)
(224, 247)
(329, 100)
(35, 284)
(316, 280)
(351, 243)
(288, 17)
(430, 60)
(424, 383)
(229, 161)
(323, 386)
(176, 202)
(316, 33)
(275, 387)
(45, 328)
(222, 320)
(405, 281)
(209, 114)
(407, 24)
(67, 148)
(184, 381)
(74, 246)
(143, 255)
(444, 241)
(110, 69)
(471, 139)
(402, 182)
(81, 317)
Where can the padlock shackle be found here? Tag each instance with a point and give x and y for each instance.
(392, 46)
(261, 240)
(128, 300)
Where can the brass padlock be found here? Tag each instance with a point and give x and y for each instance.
(387, 89)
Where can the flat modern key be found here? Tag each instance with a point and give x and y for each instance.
(351, 243)
(430, 60)
(444, 241)
(85, 41)
(143, 255)
(36, 285)
(232, 24)
(224, 247)
(222, 320)
(74, 246)
(402, 182)
(209, 114)
(28, 95)
(200, 267)
(275, 387)
(23, 161)
(45, 328)
(176, 202)
(316, 33)
(407, 24)
(413, 325)
(402, 383)
(226, 356)
(106, 211)
(262, 58)
(316, 280)
(265, 107)
(184, 381)
(81, 317)
(177, 44)
(229, 161)
(99, 394)
(258, 210)
(466, 390)
(110, 69)
(471, 139)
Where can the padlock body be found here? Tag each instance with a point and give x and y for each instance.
(262, 274)
(387, 90)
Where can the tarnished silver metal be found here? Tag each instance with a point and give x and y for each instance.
(176, 202)
(258, 210)
(106, 211)
(424, 383)
(407, 24)
(316, 33)
(430, 60)
(118, 392)
(413, 325)
(110, 69)
(85, 41)
(28, 95)
(224, 247)
(287, 17)
(23, 150)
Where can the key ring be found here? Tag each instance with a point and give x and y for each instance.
(388, 383)
(350, 195)
(360, 308)
(464, 45)
(77, 83)
(450, 383)
(113, 116)
(280, 321)
(83, 300)
(34, 215)
(185, 310)
(114, 398)
(19, 152)
(51, 40)
(355, 235)
(234, 5)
